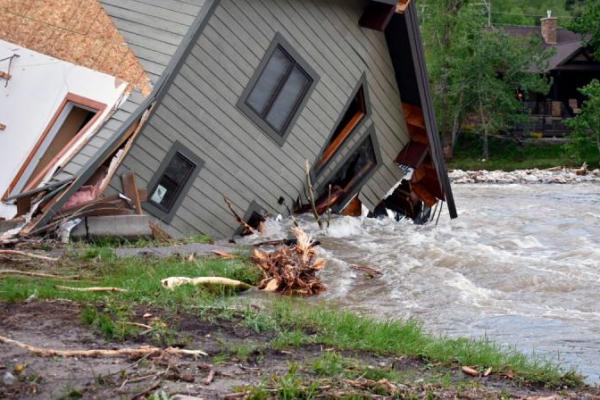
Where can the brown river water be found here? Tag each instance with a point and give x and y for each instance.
(521, 266)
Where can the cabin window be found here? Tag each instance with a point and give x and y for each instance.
(357, 168)
(278, 90)
(173, 179)
(354, 114)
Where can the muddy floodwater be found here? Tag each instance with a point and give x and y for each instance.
(520, 266)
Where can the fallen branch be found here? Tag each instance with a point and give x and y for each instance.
(225, 255)
(370, 272)
(173, 282)
(210, 377)
(311, 195)
(91, 289)
(247, 228)
(29, 255)
(126, 352)
(37, 274)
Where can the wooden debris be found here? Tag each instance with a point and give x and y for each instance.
(311, 195)
(487, 372)
(10, 253)
(225, 255)
(370, 272)
(158, 233)
(125, 352)
(173, 282)
(131, 191)
(247, 229)
(92, 289)
(211, 376)
(470, 371)
(37, 274)
(291, 270)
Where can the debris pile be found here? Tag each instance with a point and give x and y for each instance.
(291, 270)
(531, 176)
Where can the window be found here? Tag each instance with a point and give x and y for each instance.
(357, 168)
(279, 89)
(355, 113)
(173, 179)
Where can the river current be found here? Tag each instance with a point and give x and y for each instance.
(520, 266)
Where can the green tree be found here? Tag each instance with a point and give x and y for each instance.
(585, 128)
(587, 22)
(475, 70)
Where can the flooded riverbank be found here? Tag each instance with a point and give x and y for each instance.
(521, 266)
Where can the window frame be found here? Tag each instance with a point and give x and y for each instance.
(354, 187)
(155, 209)
(320, 166)
(278, 137)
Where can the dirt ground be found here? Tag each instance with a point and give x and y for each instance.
(57, 324)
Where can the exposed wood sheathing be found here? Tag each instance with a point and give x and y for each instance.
(77, 31)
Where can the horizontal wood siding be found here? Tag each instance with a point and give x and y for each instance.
(199, 109)
(153, 29)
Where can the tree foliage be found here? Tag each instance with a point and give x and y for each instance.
(585, 128)
(587, 22)
(476, 70)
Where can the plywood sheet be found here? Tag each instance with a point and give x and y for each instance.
(77, 31)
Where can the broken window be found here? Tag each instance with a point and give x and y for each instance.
(275, 95)
(171, 183)
(67, 125)
(357, 167)
(355, 113)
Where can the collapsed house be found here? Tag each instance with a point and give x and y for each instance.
(232, 99)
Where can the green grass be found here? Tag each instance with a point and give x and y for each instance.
(509, 155)
(290, 322)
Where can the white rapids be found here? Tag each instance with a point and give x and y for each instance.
(520, 266)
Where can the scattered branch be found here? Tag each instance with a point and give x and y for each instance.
(37, 274)
(210, 377)
(28, 255)
(311, 195)
(250, 230)
(125, 352)
(91, 289)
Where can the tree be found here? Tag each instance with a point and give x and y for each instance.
(476, 70)
(585, 128)
(587, 22)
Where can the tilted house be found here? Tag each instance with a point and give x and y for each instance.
(245, 92)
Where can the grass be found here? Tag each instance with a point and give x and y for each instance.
(290, 322)
(508, 155)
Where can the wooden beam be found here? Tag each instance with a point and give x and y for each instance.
(377, 16)
(131, 191)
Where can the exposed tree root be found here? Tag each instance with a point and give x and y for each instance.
(173, 282)
(291, 270)
(92, 289)
(126, 352)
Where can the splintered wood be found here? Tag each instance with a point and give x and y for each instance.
(291, 270)
(75, 31)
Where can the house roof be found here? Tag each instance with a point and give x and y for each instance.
(153, 29)
(568, 42)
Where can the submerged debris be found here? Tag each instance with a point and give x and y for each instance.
(291, 270)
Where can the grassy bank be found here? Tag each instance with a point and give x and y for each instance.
(508, 155)
(280, 323)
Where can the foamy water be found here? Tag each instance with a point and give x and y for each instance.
(521, 266)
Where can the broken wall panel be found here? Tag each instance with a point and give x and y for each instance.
(31, 88)
(200, 110)
(74, 31)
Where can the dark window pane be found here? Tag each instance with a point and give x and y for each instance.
(268, 82)
(179, 169)
(172, 181)
(290, 95)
